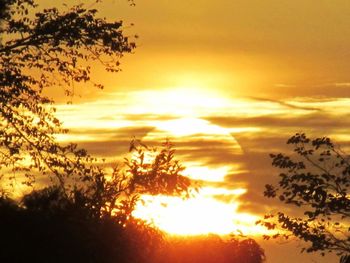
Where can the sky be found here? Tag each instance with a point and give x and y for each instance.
(228, 82)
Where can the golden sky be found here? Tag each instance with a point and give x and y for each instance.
(229, 82)
(266, 48)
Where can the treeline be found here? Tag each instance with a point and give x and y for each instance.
(46, 226)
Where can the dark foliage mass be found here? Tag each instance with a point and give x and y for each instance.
(317, 181)
(48, 227)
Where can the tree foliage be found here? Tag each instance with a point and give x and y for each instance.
(148, 171)
(43, 50)
(51, 49)
(317, 181)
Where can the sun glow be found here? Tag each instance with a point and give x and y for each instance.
(196, 216)
(205, 173)
(206, 148)
(190, 126)
(178, 101)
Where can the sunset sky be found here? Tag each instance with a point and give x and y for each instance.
(228, 82)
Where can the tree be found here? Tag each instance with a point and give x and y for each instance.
(42, 50)
(317, 181)
(51, 49)
(149, 171)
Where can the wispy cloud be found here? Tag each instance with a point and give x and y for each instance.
(286, 104)
(237, 135)
(342, 84)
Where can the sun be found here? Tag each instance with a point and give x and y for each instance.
(177, 101)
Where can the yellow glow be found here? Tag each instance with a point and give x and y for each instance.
(182, 116)
(195, 80)
(334, 106)
(76, 138)
(196, 216)
(211, 191)
(177, 101)
(190, 126)
(206, 173)
(244, 129)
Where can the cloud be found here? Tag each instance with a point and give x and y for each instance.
(316, 121)
(109, 142)
(281, 85)
(286, 104)
(245, 151)
(149, 117)
(342, 84)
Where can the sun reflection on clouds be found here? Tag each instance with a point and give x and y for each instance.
(215, 191)
(204, 144)
(199, 140)
(189, 126)
(206, 173)
(202, 213)
(177, 101)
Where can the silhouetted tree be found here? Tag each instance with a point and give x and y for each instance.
(87, 206)
(148, 171)
(44, 50)
(316, 180)
(3, 7)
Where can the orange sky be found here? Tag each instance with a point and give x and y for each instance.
(228, 82)
(269, 48)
